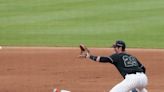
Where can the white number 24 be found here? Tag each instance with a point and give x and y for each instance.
(129, 61)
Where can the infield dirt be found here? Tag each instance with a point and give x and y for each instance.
(40, 69)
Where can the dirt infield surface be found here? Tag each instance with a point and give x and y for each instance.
(40, 69)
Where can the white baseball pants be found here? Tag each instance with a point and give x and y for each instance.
(138, 81)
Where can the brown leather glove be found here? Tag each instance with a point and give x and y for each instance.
(84, 51)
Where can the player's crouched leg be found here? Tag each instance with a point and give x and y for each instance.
(120, 87)
(124, 86)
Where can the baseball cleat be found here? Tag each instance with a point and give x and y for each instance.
(57, 90)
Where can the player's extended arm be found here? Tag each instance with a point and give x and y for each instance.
(86, 53)
(101, 59)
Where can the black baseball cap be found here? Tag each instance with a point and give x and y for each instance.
(119, 43)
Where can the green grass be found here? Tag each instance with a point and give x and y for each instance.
(71, 22)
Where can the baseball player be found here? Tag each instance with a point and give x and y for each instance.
(128, 66)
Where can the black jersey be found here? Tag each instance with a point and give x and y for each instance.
(125, 63)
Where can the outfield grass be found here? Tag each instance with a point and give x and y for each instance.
(71, 22)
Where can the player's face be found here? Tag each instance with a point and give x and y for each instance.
(117, 50)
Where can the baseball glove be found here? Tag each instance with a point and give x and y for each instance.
(84, 51)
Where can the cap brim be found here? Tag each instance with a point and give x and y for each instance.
(114, 45)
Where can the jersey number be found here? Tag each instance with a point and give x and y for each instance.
(129, 61)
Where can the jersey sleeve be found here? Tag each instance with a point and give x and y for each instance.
(141, 66)
(110, 59)
(101, 59)
(104, 59)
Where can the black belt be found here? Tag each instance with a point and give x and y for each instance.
(135, 72)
